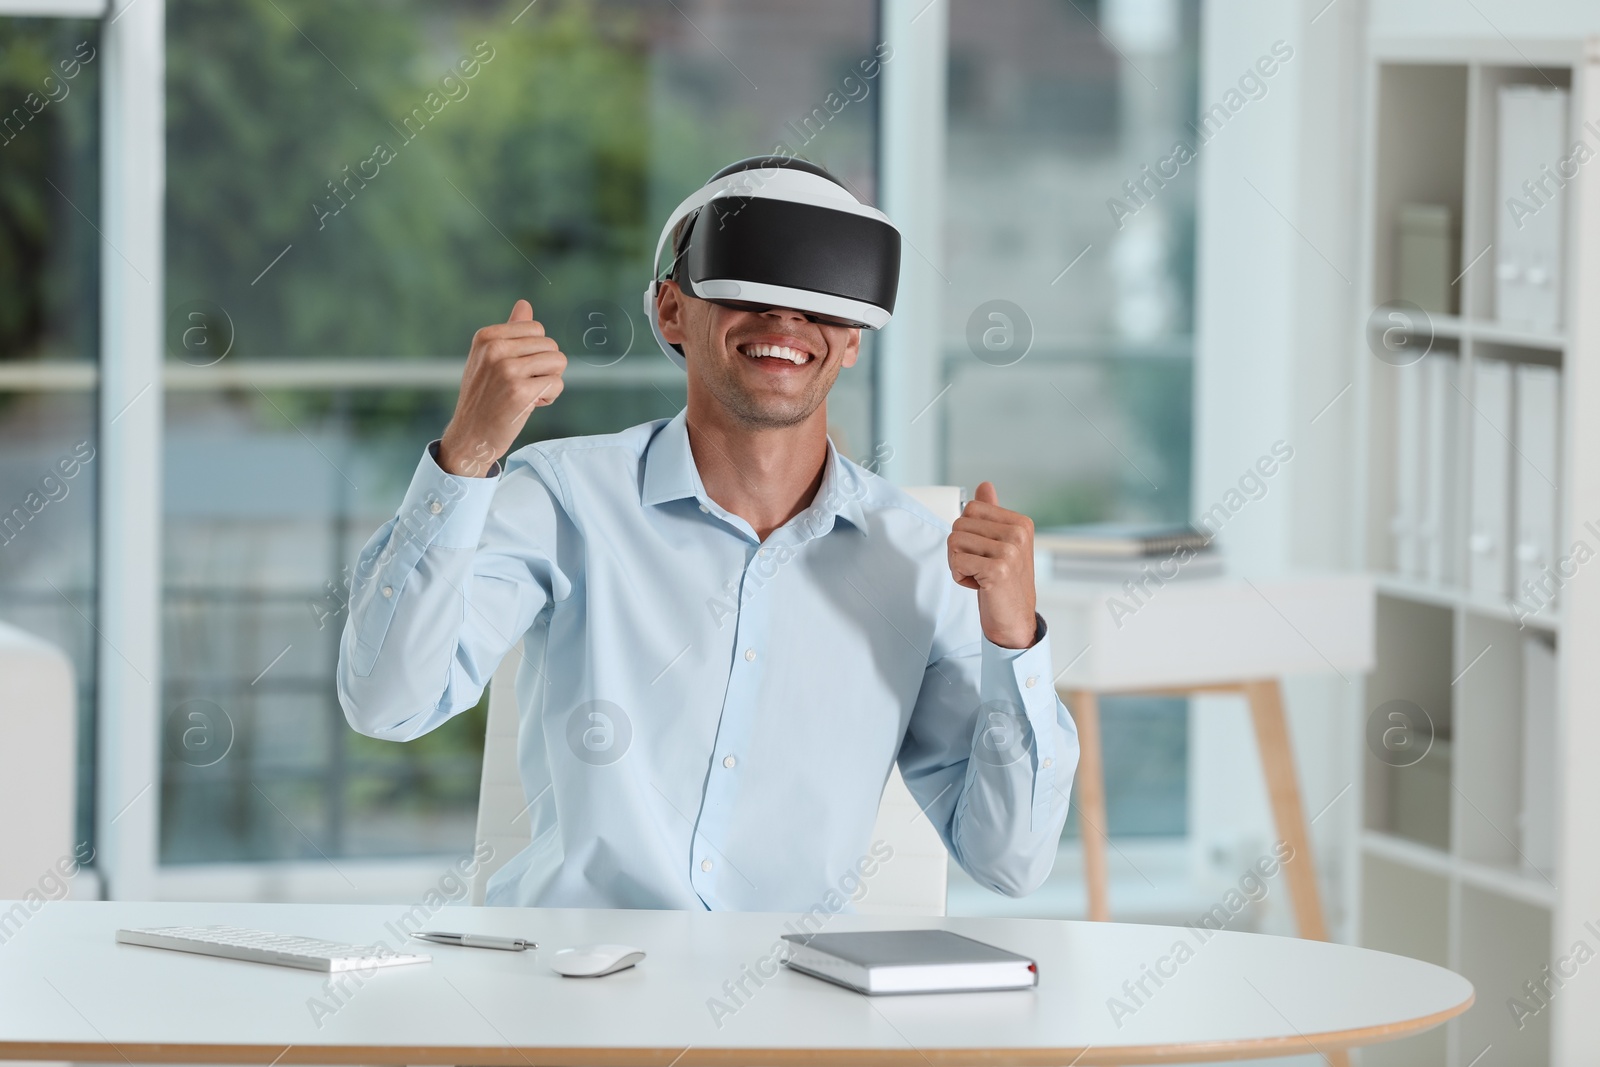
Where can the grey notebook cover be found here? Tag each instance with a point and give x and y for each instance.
(872, 949)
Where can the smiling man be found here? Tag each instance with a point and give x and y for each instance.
(732, 632)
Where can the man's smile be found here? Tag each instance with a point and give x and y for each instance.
(791, 350)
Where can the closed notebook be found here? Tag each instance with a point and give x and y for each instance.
(910, 961)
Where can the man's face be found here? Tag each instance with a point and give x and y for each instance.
(768, 368)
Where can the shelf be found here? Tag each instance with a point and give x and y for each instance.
(1504, 945)
(1409, 853)
(1542, 52)
(1504, 335)
(1454, 327)
(1502, 881)
(1448, 325)
(1406, 910)
(1500, 686)
(1451, 597)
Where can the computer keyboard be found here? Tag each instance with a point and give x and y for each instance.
(258, 946)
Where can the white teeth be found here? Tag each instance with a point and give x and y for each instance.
(793, 355)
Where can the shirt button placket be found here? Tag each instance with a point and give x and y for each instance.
(721, 791)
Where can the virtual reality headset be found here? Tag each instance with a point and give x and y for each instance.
(778, 232)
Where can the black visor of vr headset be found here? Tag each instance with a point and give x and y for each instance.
(778, 232)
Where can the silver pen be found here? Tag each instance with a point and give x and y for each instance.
(505, 944)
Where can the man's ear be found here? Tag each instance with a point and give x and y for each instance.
(669, 311)
(852, 349)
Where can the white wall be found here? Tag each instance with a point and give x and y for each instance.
(1277, 267)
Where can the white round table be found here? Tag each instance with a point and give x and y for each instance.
(1107, 994)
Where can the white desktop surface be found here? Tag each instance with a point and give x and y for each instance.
(68, 991)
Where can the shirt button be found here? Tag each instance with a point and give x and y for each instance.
(436, 507)
(728, 762)
(704, 510)
(1048, 762)
(1033, 680)
(705, 865)
(765, 552)
(388, 590)
(750, 655)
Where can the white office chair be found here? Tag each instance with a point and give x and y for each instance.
(912, 883)
(38, 762)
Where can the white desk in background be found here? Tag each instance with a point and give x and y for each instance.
(69, 992)
(1206, 635)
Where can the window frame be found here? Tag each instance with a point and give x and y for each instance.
(132, 379)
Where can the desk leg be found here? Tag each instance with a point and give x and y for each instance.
(1091, 781)
(1277, 762)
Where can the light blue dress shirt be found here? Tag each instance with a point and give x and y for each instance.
(707, 720)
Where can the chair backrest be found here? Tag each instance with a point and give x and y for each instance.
(38, 762)
(913, 882)
(503, 819)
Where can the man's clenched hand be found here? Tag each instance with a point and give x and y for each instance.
(991, 550)
(512, 369)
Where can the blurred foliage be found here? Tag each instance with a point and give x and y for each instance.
(535, 178)
(49, 135)
(422, 778)
(528, 181)
(1073, 503)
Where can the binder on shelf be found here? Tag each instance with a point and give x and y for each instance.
(1530, 208)
(1410, 463)
(1437, 530)
(1419, 797)
(1427, 251)
(1488, 563)
(1538, 819)
(1537, 476)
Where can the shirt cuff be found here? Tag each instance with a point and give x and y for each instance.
(1021, 676)
(446, 510)
(433, 454)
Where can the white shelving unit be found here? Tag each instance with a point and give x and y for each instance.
(1441, 871)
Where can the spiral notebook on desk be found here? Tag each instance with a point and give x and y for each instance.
(909, 961)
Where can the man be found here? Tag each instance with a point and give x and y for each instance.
(733, 632)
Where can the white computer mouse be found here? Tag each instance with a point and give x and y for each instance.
(592, 961)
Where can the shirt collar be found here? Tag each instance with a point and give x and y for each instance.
(670, 474)
(669, 470)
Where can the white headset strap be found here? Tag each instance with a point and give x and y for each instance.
(655, 326)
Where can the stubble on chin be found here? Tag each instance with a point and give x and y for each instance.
(764, 413)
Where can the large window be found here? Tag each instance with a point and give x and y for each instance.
(49, 340)
(352, 190)
(1067, 344)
